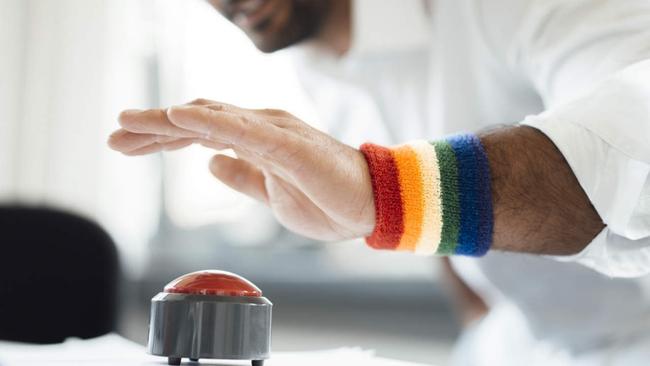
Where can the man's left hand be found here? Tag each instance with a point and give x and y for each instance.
(315, 185)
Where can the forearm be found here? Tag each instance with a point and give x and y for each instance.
(506, 189)
(538, 204)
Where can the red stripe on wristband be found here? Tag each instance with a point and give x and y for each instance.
(388, 199)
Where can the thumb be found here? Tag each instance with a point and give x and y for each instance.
(239, 175)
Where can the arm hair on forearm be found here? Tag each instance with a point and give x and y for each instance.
(539, 206)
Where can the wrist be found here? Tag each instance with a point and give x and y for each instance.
(367, 211)
(431, 198)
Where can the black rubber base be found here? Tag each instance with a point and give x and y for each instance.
(177, 361)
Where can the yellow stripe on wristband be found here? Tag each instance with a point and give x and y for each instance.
(432, 215)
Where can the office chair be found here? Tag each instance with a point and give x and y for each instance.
(58, 276)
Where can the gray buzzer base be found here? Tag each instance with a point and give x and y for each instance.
(206, 326)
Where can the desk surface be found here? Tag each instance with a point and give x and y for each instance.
(115, 350)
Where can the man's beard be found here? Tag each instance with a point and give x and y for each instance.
(306, 20)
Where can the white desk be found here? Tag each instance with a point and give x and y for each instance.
(115, 350)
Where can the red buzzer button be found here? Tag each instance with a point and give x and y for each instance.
(211, 282)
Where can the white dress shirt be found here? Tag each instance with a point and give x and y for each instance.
(579, 71)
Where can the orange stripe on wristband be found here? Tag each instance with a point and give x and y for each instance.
(410, 180)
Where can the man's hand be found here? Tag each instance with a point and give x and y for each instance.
(315, 185)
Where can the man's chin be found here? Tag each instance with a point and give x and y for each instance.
(271, 45)
(267, 47)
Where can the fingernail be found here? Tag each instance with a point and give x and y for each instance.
(179, 108)
(188, 120)
(176, 109)
(128, 112)
(169, 111)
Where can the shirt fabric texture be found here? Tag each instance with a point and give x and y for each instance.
(577, 70)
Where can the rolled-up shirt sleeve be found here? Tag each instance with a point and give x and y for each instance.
(590, 62)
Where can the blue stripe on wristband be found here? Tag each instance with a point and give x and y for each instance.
(474, 194)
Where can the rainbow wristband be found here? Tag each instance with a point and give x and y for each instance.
(432, 197)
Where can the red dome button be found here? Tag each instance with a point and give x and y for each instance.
(220, 283)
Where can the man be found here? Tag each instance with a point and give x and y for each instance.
(570, 180)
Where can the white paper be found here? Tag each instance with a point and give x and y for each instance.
(115, 350)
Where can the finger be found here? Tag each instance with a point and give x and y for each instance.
(268, 166)
(273, 112)
(177, 144)
(201, 101)
(214, 144)
(217, 106)
(146, 150)
(158, 147)
(236, 129)
(152, 121)
(240, 176)
(123, 140)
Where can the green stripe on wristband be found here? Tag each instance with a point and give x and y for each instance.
(449, 195)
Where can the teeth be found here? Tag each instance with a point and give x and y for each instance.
(241, 19)
(251, 6)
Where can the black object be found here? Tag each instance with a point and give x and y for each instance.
(58, 276)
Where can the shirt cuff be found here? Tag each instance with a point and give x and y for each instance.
(614, 255)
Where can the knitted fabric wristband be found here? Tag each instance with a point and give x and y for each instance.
(432, 197)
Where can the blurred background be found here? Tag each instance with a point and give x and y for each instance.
(68, 67)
